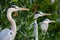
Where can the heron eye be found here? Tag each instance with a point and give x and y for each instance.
(13, 7)
(10, 32)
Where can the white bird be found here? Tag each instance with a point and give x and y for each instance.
(44, 26)
(37, 15)
(9, 34)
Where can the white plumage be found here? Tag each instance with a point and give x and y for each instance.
(45, 24)
(9, 34)
(6, 34)
(37, 15)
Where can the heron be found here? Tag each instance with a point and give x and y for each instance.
(44, 26)
(9, 34)
(37, 15)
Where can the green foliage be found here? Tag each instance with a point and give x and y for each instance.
(25, 18)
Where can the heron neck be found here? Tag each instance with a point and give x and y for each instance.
(35, 22)
(36, 29)
(12, 23)
(35, 26)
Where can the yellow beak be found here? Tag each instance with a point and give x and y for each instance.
(24, 9)
(47, 14)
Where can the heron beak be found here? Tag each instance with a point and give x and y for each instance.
(53, 21)
(24, 9)
(47, 14)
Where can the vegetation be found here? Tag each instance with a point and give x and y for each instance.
(24, 19)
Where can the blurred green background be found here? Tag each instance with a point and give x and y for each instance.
(24, 19)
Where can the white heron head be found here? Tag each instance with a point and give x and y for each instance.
(48, 20)
(39, 14)
(16, 8)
